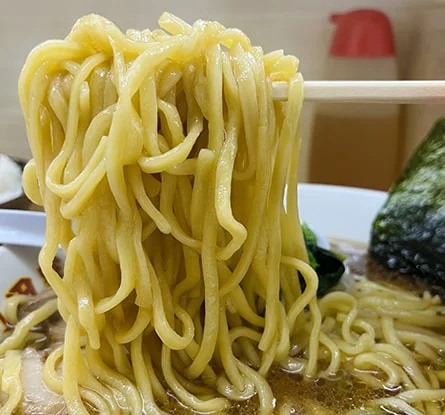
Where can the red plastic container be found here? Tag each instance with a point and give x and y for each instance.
(358, 144)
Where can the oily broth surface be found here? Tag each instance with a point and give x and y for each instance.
(306, 397)
(338, 395)
(335, 396)
(359, 262)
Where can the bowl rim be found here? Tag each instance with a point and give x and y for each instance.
(27, 227)
(345, 189)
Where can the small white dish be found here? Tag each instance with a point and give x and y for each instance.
(20, 227)
(20, 272)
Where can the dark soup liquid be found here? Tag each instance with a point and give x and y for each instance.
(340, 394)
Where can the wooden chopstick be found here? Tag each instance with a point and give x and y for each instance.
(381, 92)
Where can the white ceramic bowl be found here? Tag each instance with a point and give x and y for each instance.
(332, 211)
(340, 212)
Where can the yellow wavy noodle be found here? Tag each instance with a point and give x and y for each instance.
(162, 161)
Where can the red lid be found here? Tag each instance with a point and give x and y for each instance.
(362, 34)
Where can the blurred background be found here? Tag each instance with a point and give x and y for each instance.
(344, 148)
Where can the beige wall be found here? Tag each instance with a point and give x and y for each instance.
(300, 27)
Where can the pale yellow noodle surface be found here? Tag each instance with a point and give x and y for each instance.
(161, 162)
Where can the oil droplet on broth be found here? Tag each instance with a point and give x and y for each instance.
(307, 397)
(345, 391)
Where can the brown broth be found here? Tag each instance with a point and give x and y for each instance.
(335, 396)
(359, 262)
(338, 395)
(307, 397)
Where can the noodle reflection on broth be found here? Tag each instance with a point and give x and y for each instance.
(161, 162)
